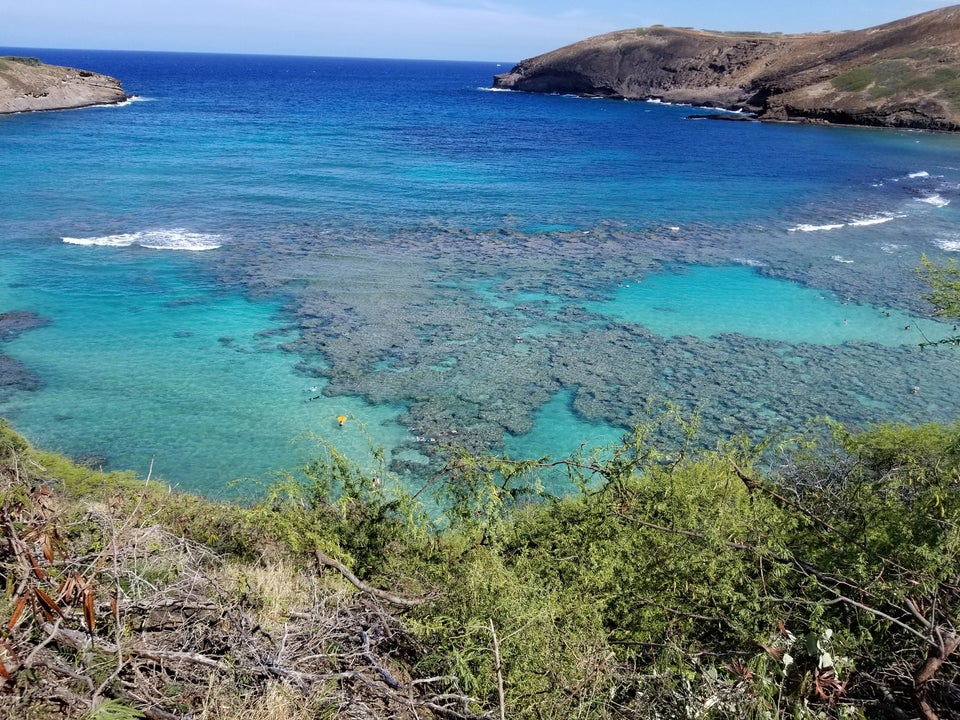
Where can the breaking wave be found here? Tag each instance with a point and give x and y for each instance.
(154, 240)
(804, 227)
(861, 222)
(951, 244)
(872, 221)
(937, 200)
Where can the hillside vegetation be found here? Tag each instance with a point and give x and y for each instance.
(901, 74)
(741, 581)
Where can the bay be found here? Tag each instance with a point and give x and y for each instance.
(257, 245)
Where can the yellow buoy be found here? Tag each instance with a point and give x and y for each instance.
(341, 419)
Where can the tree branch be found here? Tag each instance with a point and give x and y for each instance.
(389, 597)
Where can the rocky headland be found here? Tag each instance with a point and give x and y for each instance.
(902, 74)
(26, 85)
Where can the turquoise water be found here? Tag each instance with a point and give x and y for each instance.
(169, 374)
(558, 433)
(257, 245)
(710, 301)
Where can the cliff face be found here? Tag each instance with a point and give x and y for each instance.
(27, 84)
(902, 74)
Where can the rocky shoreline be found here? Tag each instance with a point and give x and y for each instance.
(905, 74)
(28, 85)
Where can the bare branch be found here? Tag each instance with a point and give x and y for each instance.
(389, 597)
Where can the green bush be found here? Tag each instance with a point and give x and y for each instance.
(669, 581)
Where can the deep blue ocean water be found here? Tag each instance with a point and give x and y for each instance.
(257, 245)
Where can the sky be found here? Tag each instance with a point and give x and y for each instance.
(485, 30)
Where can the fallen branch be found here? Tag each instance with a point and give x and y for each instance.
(389, 597)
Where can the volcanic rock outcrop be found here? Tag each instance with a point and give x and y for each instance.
(902, 74)
(26, 84)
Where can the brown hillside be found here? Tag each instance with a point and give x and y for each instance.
(902, 74)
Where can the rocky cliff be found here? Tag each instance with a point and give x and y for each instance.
(27, 84)
(902, 74)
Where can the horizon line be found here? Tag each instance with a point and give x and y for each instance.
(4, 48)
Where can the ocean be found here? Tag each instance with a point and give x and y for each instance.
(207, 277)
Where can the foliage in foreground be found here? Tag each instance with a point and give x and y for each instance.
(670, 582)
(944, 294)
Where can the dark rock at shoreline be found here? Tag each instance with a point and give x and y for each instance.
(729, 117)
(28, 85)
(902, 74)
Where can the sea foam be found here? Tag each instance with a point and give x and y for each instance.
(861, 222)
(804, 227)
(154, 240)
(936, 200)
(131, 99)
(878, 220)
(948, 244)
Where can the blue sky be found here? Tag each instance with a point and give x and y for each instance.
(496, 30)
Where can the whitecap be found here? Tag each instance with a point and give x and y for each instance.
(123, 240)
(177, 239)
(803, 227)
(921, 174)
(935, 200)
(876, 220)
(131, 99)
(841, 259)
(891, 248)
(950, 245)
(495, 89)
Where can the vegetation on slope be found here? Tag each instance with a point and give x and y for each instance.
(788, 579)
(670, 583)
(944, 284)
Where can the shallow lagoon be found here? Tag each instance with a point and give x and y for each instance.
(204, 382)
(177, 377)
(710, 301)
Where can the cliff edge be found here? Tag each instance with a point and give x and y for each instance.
(902, 74)
(26, 84)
